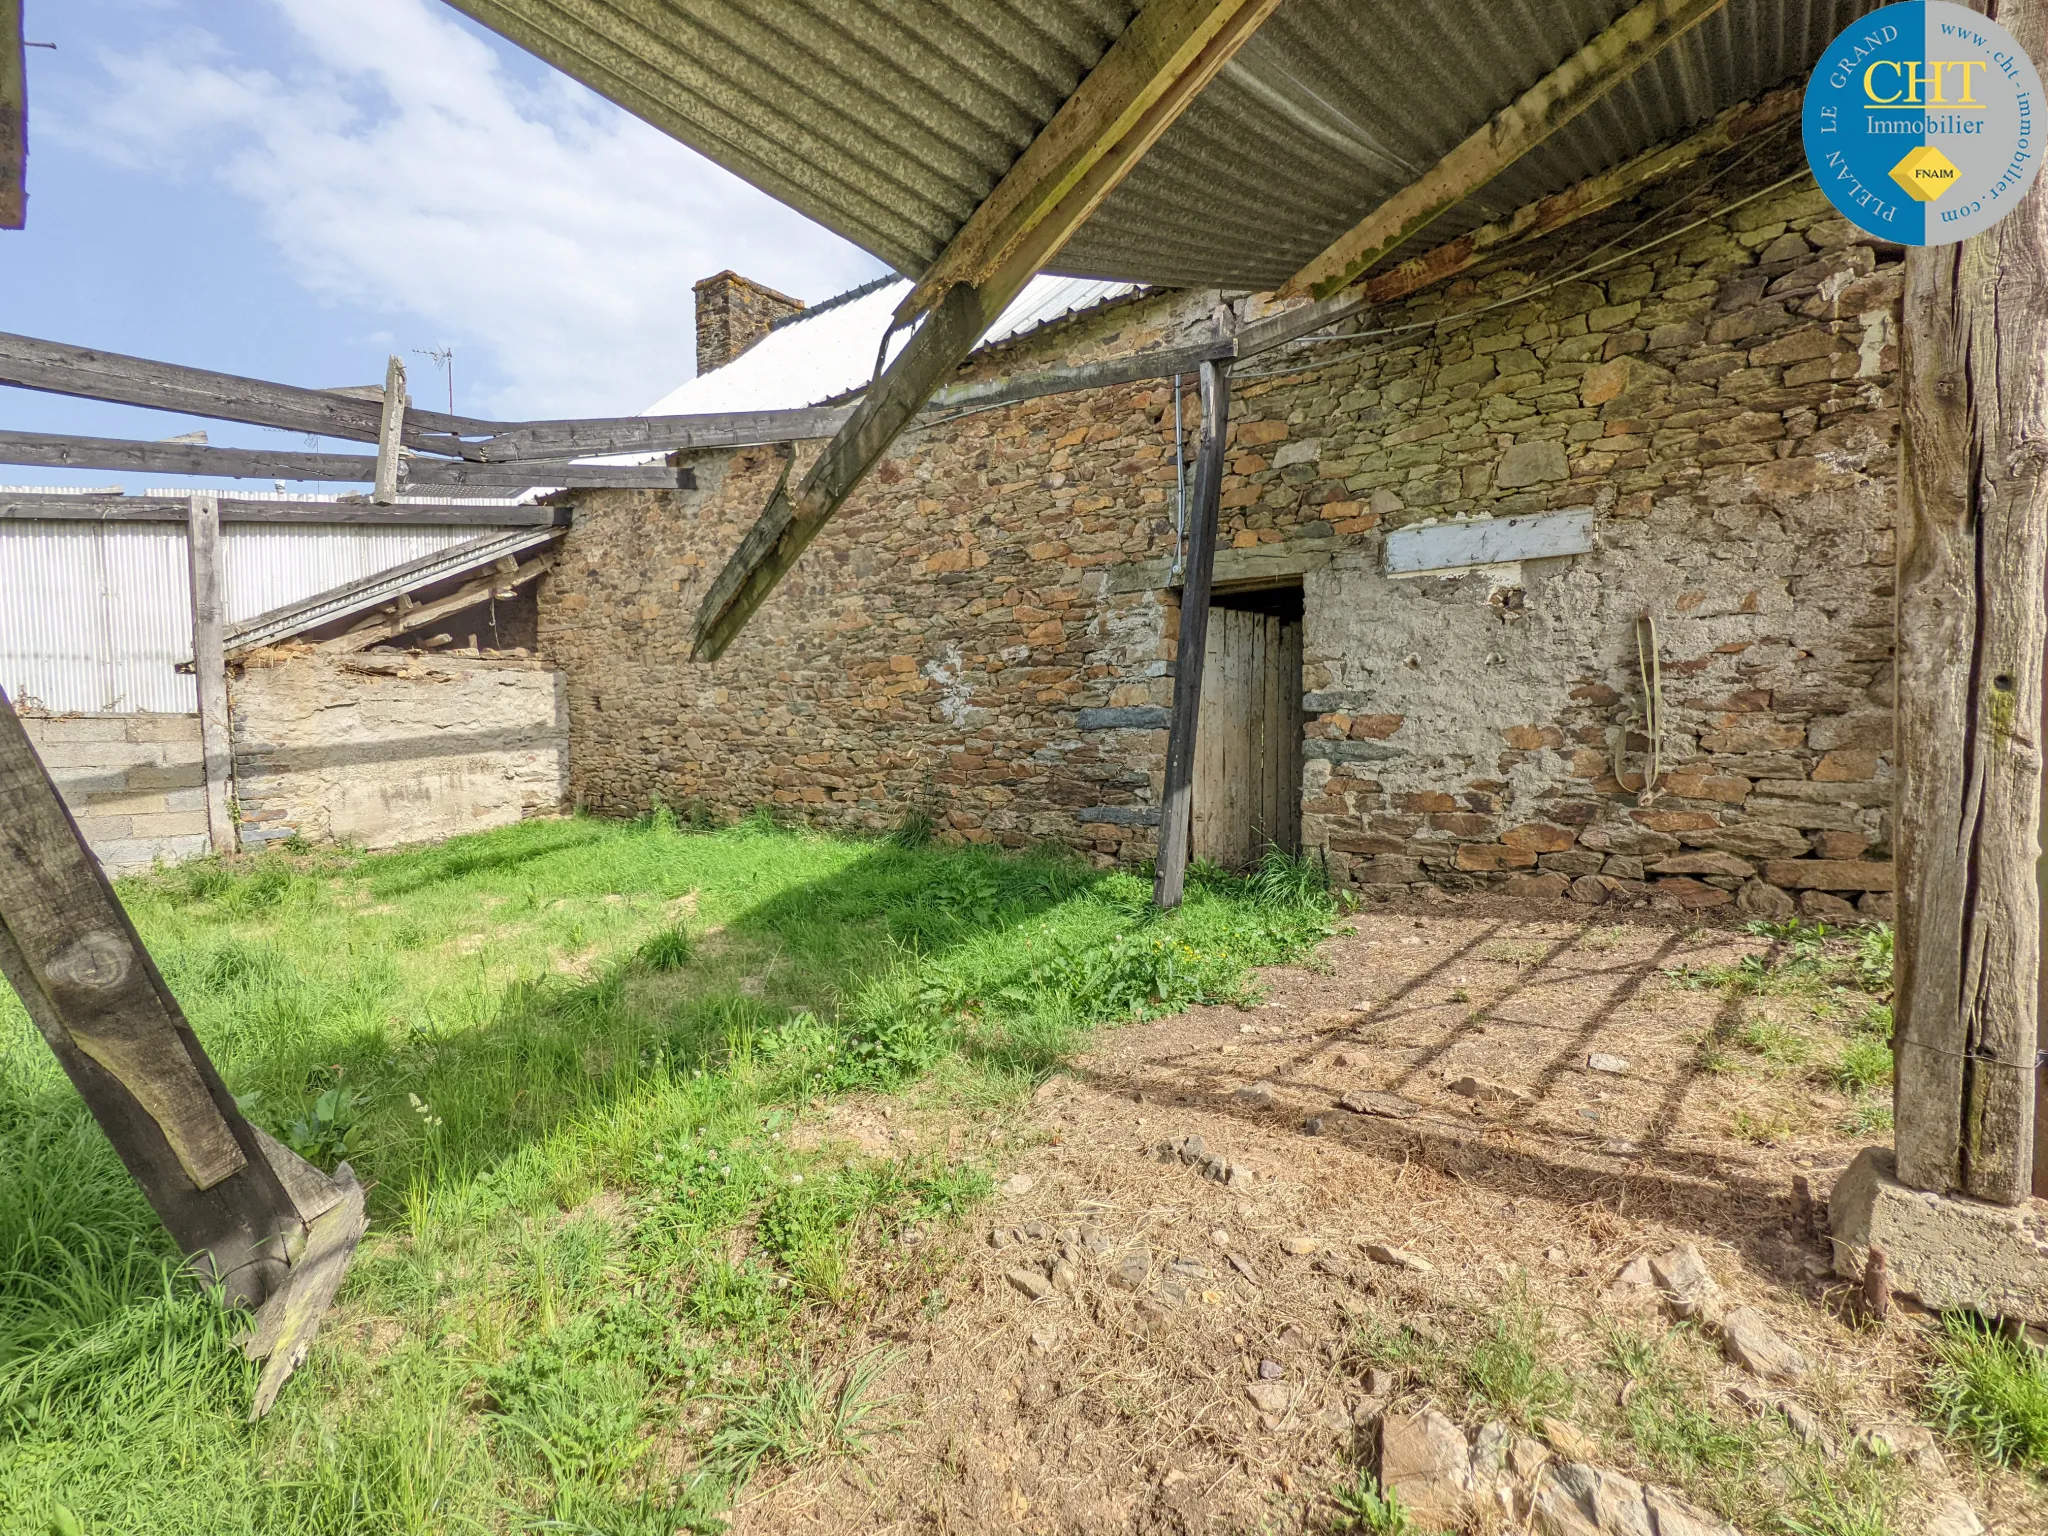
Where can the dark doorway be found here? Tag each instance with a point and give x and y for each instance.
(1248, 744)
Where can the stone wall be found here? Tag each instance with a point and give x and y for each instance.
(384, 748)
(986, 632)
(733, 313)
(134, 783)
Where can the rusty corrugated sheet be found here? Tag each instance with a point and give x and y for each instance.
(888, 120)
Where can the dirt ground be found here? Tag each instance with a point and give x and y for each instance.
(1119, 1401)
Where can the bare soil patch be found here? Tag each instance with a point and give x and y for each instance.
(1202, 1355)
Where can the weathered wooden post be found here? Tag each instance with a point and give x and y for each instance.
(1176, 802)
(1972, 621)
(1950, 1210)
(209, 665)
(13, 119)
(271, 1230)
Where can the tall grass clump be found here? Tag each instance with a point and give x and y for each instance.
(1991, 1391)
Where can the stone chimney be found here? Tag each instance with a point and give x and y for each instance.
(733, 313)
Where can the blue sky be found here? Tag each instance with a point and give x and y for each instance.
(294, 189)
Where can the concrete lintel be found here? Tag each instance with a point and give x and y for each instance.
(1264, 562)
(1947, 1252)
(1119, 815)
(1130, 717)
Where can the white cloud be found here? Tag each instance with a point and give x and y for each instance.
(396, 164)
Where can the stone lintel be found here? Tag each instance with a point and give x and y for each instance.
(1947, 1252)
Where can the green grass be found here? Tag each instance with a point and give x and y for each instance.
(564, 1057)
(1507, 1368)
(1992, 1392)
(1364, 1509)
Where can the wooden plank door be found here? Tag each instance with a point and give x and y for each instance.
(1248, 751)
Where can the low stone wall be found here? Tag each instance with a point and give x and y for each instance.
(387, 748)
(135, 783)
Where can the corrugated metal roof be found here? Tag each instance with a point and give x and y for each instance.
(829, 351)
(889, 120)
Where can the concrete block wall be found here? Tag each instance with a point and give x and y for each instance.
(135, 783)
(987, 631)
(392, 747)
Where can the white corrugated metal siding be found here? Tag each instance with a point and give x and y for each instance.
(95, 617)
(267, 566)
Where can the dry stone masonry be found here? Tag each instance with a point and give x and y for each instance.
(986, 635)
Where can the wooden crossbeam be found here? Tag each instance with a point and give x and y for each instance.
(63, 451)
(1639, 35)
(113, 507)
(55, 367)
(13, 119)
(1150, 74)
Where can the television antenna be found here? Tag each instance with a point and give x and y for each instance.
(443, 358)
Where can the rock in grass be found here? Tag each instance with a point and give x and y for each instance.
(1260, 1095)
(1029, 1283)
(1425, 1463)
(1484, 1090)
(1397, 1258)
(1271, 1370)
(1749, 1340)
(1600, 1061)
(1243, 1266)
(1682, 1275)
(1300, 1246)
(1274, 1397)
(1386, 1106)
(1017, 1184)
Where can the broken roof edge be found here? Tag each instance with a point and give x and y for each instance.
(367, 592)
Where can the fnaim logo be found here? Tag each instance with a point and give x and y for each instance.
(1923, 122)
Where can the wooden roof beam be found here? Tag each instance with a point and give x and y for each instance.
(62, 451)
(1170, 50)
(1638, 36)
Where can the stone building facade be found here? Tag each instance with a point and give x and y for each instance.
(986, 633)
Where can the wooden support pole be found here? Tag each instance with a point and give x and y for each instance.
(71, 953)
(1972, 623)
(1176, 802)
(272, 1231)
(209, 667)
(13, 119)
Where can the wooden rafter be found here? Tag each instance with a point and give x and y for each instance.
(58, 450)
(1150, 74)
(13, 119)
(1641, 33)
(113, 507)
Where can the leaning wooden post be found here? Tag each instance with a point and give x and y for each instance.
(13, 119)
(271, 1230)
(1972, 621)
(209, 666)
(1176, 804)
